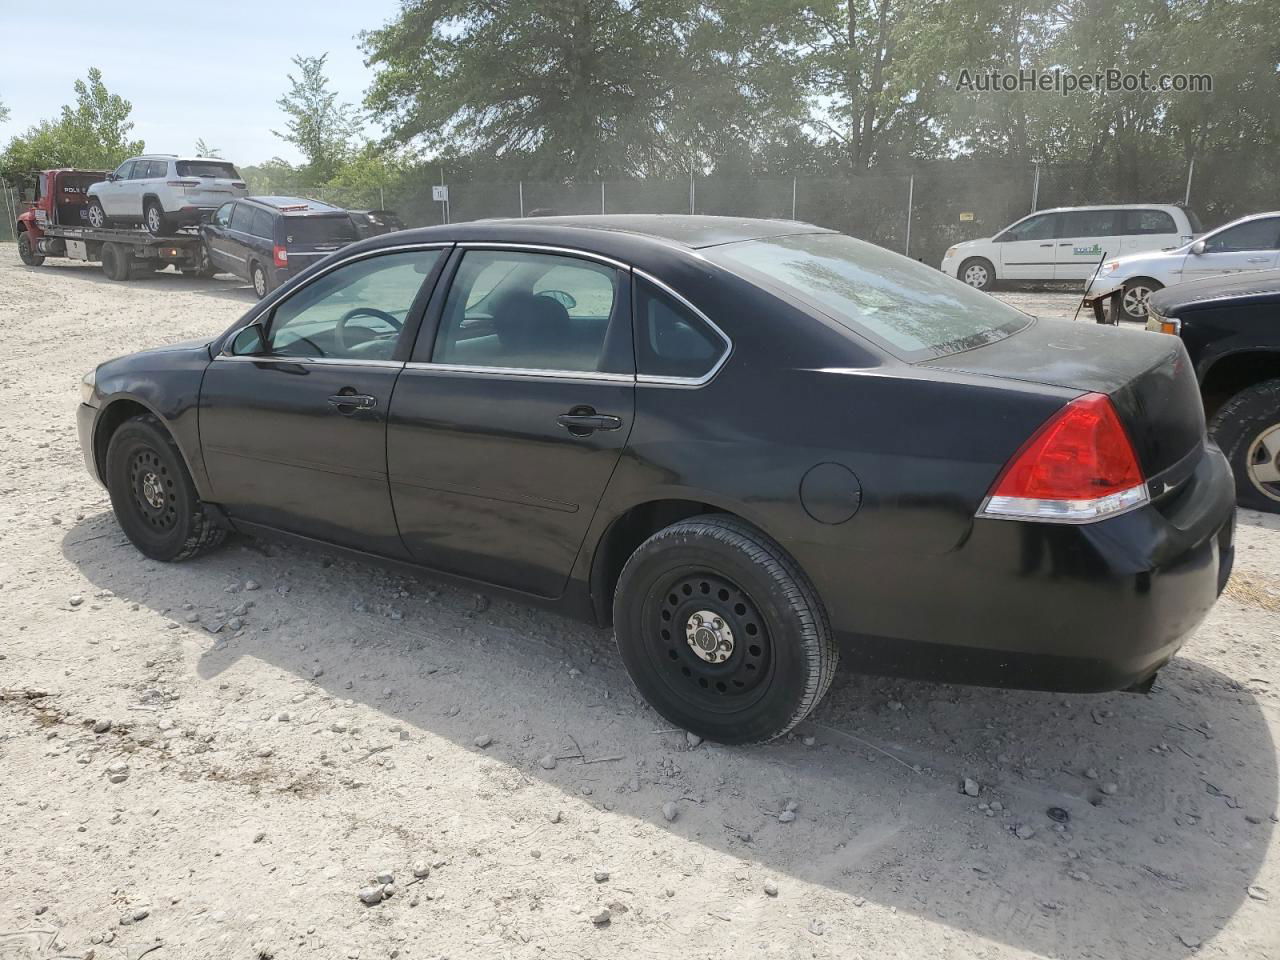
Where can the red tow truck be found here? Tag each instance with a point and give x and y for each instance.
(56, 225)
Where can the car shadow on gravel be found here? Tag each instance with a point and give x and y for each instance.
(222, 287)
(1168, 799)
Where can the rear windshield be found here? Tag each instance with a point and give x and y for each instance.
(914, 311)
(207, 168)
(328, 229)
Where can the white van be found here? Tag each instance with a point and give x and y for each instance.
(1069, 243)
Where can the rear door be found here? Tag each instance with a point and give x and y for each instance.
(1251, 245)
(507, 425)
(1085, 239)
(1026, 249)
(241, 245)
(295, 437)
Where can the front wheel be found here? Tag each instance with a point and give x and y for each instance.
(721, 631)
(97, 216)
(1247, 428)
(1134, 297)
(978, 273)
(27, 252)
(154, 500)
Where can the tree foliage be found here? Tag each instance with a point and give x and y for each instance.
(92, 133)
(316, 123)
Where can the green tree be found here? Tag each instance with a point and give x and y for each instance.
(317, 124)
(4, 112)
(204, 150)
(92, 133)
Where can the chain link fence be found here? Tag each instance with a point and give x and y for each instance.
(919, 212)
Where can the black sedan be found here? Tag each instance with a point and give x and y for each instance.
(1231, 328)
(753, 446)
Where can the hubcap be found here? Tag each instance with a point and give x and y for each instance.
(709, 637)
(976, 276)
(153, 489)
(259, 282)
(1264, 462)
(1135, 301)
(95, 216)
(153, 219)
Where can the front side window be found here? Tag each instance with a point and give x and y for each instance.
(534, 311)
(355, 312)
(914, 311)
(222, 216)
(1033, 228)
(671, 340)
(1138, 222)
(1089, 223)
(126, 168)
(1254, 235)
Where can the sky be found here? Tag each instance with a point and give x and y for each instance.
(191, 69)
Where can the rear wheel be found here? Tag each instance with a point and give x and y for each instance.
(152, 495)
(27, 251)
(261, 282)
(1247, 428)
(97, 216)
(117, 262)
(722, 632)
(978, 273)
(1134, 296)
(154, 219)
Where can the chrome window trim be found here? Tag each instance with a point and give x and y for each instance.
(363, 255)
(544, 248)
(530, 372)
(322, 361)
(651, 380)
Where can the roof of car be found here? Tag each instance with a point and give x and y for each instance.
(1116, 206)
(296, 205)
(692, 231)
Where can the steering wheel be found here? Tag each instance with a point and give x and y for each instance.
(340, 331)
(567, 300)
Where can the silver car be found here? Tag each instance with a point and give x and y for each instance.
(163, 192)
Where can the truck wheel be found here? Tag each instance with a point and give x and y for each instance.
(978, 273)
(153, 217)
(27, 252)
(721, 631)
(154, 500)
(1247, 428)
(1134, 296)
(116, 262)
(97, 216)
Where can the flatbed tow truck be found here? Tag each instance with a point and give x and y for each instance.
(56, 225)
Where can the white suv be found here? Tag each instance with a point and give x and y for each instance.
(163, 192)
(1068, 243)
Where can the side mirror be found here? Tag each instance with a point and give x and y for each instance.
(249, 342)
(1198, 247)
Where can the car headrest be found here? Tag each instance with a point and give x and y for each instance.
(524, 320)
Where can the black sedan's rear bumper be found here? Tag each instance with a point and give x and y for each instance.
(1086, 608)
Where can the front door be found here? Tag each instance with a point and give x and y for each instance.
(1246, 246)
(111, 194)
(1085, 239)
(294, 435)
(216, 243)
(1027, 249)
(507, 425)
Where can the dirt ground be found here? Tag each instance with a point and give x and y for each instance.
(211, 760)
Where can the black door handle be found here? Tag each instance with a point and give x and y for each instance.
(354, 401)
(581, 424)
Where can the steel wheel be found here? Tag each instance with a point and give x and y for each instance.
(708, 640)
(1263, 462)
(154, 492)
(977, 273)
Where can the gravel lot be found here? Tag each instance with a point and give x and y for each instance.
(212, 760)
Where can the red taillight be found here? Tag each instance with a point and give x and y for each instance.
(280, 255)
(1079, 466)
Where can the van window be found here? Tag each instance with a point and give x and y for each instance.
(1148, 221)
(242, 218)
(1089, 223)
(261, 224)
(1033, 228)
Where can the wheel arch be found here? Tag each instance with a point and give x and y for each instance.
(116, 412)
(1232, 372)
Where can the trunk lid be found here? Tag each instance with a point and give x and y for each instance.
(1148, 377)
(210, 183)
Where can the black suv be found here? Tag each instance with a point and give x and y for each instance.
(1231, 327)
(267, 240)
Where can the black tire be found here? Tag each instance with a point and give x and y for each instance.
(116, 262)
(97, 216)
(977, 272)
(205, 269)
(154, 500)
(1134, 295)
(154, 219)
(27, 252)
(260, 279)
(1247, 428)
(768, 624)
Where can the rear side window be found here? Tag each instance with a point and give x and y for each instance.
(261, 224)
(207, 168)
(672, 341)
(1089, 223)
(242, 218)
(914, 311)
(1148, 221)
(304, 231)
